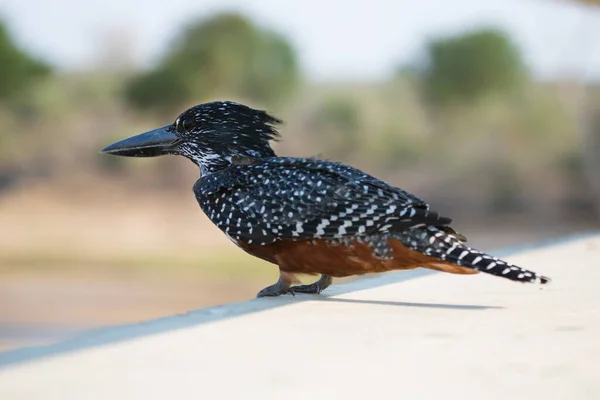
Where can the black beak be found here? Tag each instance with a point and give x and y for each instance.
(153, 143)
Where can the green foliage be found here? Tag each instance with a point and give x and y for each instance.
(338, 124)
(224, 55)
(466, 67)
(338, 113)
(161, 88)
(17, 69)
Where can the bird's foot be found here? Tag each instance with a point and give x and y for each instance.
(281, 287)
(314, 288)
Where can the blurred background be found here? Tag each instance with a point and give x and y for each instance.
(488, 110)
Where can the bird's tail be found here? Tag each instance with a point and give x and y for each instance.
(448, 247)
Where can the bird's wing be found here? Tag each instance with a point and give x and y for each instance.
(292, 198)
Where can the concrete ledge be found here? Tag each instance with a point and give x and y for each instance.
(389, 336)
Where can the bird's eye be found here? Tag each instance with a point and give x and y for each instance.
(187, 124)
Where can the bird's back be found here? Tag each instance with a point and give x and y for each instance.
(299, 198)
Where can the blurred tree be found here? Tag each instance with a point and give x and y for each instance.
(18, 69)
(117, 51)
(465, 67)
(19, 72)
(337, 124)
(224, 55)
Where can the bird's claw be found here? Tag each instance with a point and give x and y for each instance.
(315, 287)
(279, 288)
(307, 289)
(283, 287)
(272, 293)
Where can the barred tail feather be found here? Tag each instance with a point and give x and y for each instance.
(471, 258)
(445, 246)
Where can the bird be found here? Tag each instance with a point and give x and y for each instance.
(308, 216)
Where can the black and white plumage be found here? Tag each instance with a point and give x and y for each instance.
(297, 198)
(273, 206)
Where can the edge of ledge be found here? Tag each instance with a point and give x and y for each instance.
(119, 333)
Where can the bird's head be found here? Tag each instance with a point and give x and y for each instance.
(209, 134)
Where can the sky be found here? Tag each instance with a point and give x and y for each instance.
(336, 40)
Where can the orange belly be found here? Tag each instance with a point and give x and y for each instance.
(317, 256)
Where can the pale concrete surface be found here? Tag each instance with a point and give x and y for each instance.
(440, 336)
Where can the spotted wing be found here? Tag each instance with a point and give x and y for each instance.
(291, 198)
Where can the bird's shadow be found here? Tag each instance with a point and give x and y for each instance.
(404, 304)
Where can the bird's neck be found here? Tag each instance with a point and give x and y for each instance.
(213, 167)
(211, 162)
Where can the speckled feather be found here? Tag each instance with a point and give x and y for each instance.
(287, 198)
